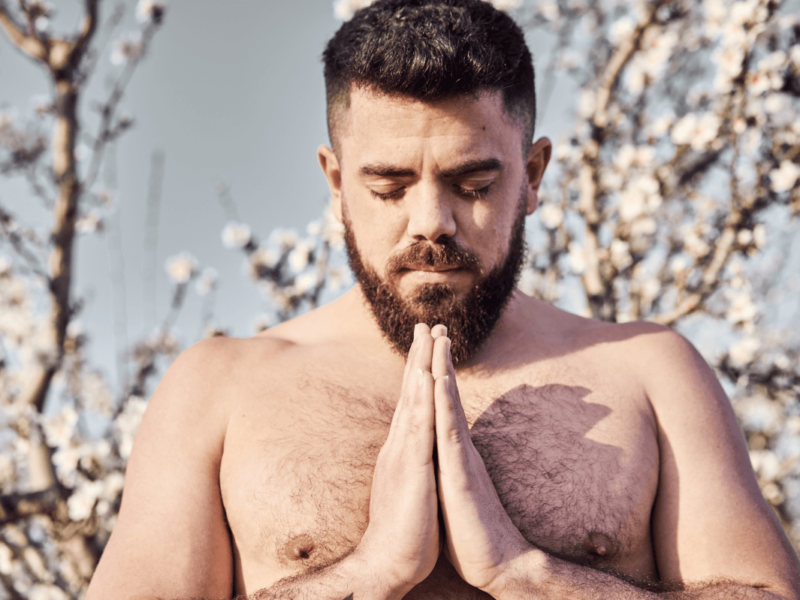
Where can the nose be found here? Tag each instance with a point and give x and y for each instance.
(431, 215)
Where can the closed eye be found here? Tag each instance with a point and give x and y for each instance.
(470, 193)
(393, 195)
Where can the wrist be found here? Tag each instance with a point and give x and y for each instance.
(377, 581)
(522, 571)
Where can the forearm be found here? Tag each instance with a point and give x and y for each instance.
(537, 575)
(348, 579)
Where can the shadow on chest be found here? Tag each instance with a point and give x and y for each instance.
(560, 488)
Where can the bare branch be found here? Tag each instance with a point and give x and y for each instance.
(14, 507)
(30, 45)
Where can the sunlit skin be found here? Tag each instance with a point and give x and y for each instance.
(313, 461)
(439, 175)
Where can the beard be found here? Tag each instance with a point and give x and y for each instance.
(469, 321)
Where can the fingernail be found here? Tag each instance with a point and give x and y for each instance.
(447, 377)
(445, 329)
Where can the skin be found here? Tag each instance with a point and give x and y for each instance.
(311, 461)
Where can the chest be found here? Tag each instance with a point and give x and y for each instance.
(575, 468)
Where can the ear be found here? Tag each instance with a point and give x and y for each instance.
(333, 173)
(538, 157)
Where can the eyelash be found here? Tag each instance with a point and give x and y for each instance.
(473, 194)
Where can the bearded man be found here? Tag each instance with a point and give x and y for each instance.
(435, 433)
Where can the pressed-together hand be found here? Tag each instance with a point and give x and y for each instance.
(481, 539)
(402, 540)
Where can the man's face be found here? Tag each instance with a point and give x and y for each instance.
(433, 197)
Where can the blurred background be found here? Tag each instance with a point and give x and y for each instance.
(672, 197)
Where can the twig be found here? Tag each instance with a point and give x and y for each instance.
(150, 283)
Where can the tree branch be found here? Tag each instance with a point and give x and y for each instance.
(14, 507)
(31, 46)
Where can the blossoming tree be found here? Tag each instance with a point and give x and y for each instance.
(673, 198)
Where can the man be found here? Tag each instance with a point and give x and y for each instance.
(354, 453)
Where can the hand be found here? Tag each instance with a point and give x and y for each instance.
(481, 540)
(401, 542)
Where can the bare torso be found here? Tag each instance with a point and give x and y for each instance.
(564, 427)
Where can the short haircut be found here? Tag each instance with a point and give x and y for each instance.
(430, 50)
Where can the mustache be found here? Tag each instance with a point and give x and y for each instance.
(445, 254)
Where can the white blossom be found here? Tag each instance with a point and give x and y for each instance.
(89, 223)
(332, 229)
(588, 104)
(300, 256)
(551, 215)
(58, 429)
(127, 424)
(620, 254)
(65, 460)
(46, 592)
(784, 177)
(345, 9)
(742, 309)
(759, 414)
(548, 9)
(82, 501)
(305, 283)
(207, 281)
(743, 352)
(181, 267)
(148, 9)
(765, 464)
(794, 56)
(263, 258)
(95, 393)
(236, 235)
(285, 238)
(643, 227)
(696, 131)
(505, 5)
(576, 258)
(760, 235)
(6, 559)
(127, 48)
(621, 30)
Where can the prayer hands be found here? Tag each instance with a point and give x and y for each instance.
(402, 541)
(480, 538)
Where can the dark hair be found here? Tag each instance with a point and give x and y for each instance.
(431, 50)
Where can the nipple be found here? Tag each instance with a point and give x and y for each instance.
(299, 547)
(598, 544)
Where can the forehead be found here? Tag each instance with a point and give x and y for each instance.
(377, 125)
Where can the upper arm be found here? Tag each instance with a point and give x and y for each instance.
(171, 539)
(710, 521)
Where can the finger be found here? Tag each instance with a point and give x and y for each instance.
(440, 360)
(442, 365)
(419, 359)
(421, 418)
(438, 331)
(452, 429)
(413, 432)
(421, 330)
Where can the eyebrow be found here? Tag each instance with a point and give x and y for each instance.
(385, 170)
(472, 166)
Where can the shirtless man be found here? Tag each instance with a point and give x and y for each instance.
(350, 453)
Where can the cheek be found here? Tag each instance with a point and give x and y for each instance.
(490, 232)
(377, 227)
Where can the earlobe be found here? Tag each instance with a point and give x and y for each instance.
(538, 158)
(330, 168)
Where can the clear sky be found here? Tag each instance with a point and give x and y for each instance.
(230, 91)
